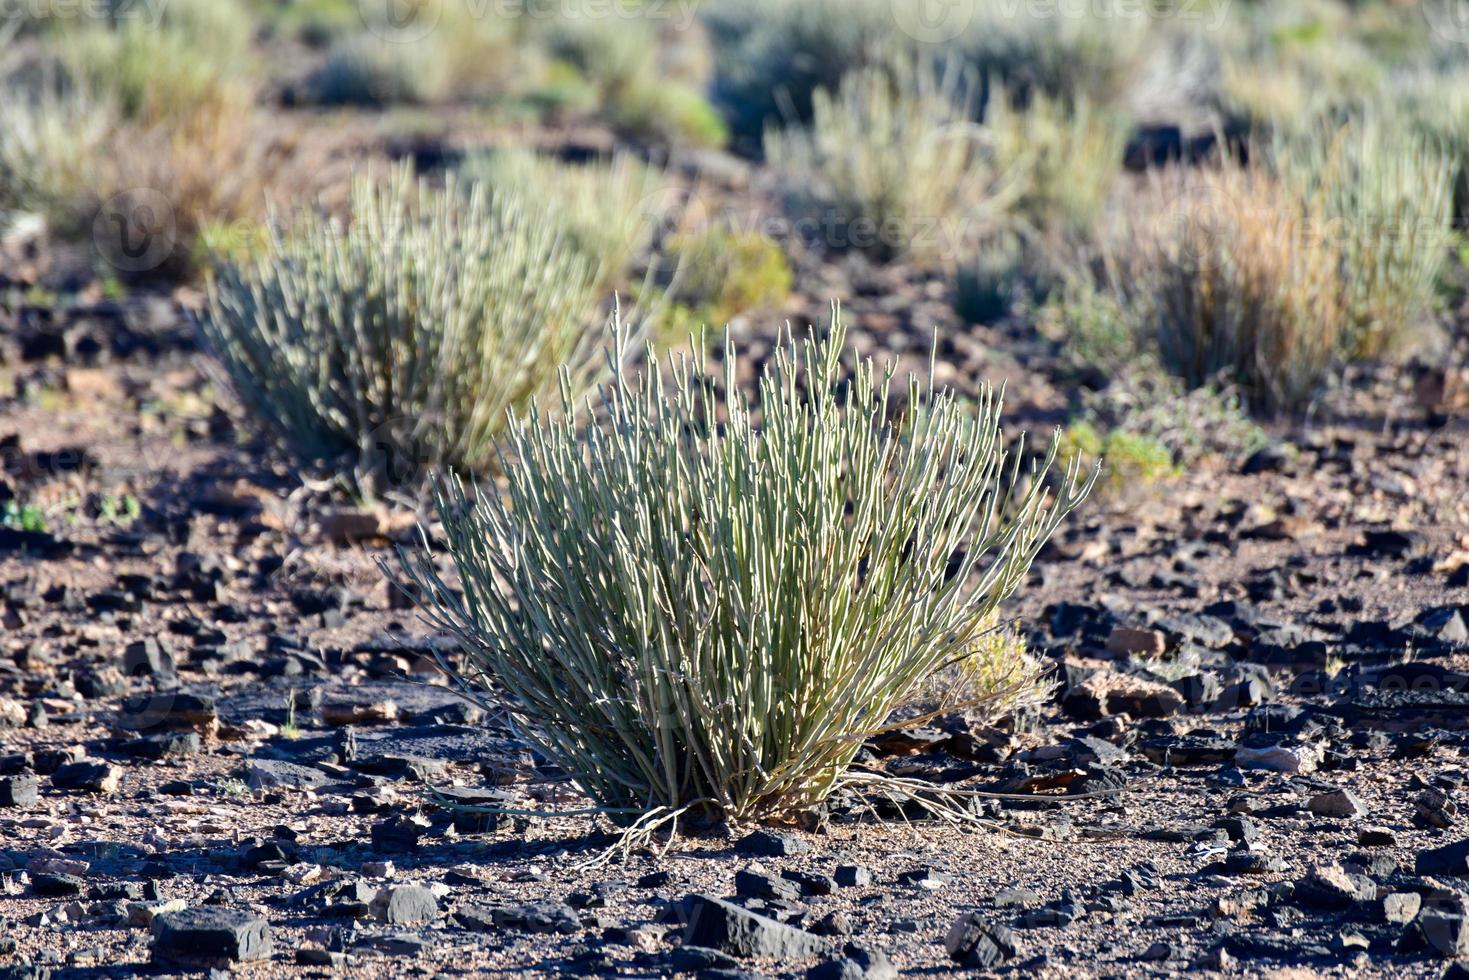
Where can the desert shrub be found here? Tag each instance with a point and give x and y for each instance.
(608, 210)
(397, 342)
(51, 151)
(1072, 156)
(997, 281)
(1386, 198)
(1093, 326)
(368, 70)
(720, 274)
(67, 155)
(690, 610)
(1192, 425)
(620, 59)
(891, 164)
(668, 113)
(1436, 107)
(1070, 53)
(1129, 459)
(315, 23)
(772, 56)
(153, 75)
(1234, 277)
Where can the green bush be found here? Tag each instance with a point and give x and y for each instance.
(892, 165)
(668, 113)
(1093, 326)
(368, 70)
(1128, 460)
(689, 610)
(1068, 54)
(51, 151)
(1232, 276)
(1072, 155)
(772, 55)
(1386, 201)
(721, 274)
(157, 76)
(1190, 425)
(396, 344)
(621, 61)
(608, 210)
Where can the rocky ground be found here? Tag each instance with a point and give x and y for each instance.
(222, 742)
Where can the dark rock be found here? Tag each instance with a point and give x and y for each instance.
(750, 884)
(726, 927)
(981, 945)
(147, 658)
(398, 835)
(165, 745)
(56, 885)
(89, 775)
(837, 923)
(1332, 887)
(210, 933)
(1377, 837)
(1450, 859)
(535, 917)
(811, 883)
(1444, 933)
(855, 963)
(1188, 750)
(771, 843)
(697, 959)
(853, 876)
(1022, 898)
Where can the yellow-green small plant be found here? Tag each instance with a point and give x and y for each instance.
(998, 660)
(121, 510)
(721, 274)
(23, 517)
(1128, 460)
(290, 730)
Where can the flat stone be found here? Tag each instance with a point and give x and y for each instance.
(1340, 803)
(275, 774)
(771, 843)
(728, 928)
(210, 933)
(89, 775)
(20, 790)
(855, 963)
(1280, 758)
(405, 905)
